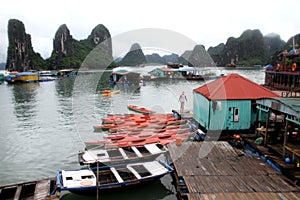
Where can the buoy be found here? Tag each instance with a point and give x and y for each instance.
(294, 67)
(178, 141)
(278, 67)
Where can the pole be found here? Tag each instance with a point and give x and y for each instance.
(97, 179)
(267, 127)
(285, 137)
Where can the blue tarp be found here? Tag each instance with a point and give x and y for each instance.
(269, 66)
(26, 73)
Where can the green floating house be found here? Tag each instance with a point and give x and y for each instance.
(228, 103)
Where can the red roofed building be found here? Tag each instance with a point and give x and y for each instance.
(228, 103)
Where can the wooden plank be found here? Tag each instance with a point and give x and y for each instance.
(240, 184)
(41, 189)
(227, 185)
(193, 185)
(290, 195)
(203, 188)
(18, 192)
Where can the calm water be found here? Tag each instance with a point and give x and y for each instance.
(43, 126)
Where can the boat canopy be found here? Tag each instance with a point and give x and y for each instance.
(26, 73)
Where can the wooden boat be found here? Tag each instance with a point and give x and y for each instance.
(122, 154)
(140, 109)
(110, 178)
(36, 189)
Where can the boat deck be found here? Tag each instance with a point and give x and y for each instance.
(216, 170)
(33, 190)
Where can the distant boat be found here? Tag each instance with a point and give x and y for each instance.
(116, 155)
(23, 77)
(67, 72)
(174, 65)
(125, 78)
(110, 92)
(110, 178)
(191, 73)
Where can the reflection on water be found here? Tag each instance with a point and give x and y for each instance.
(64, 86)
(25, 100)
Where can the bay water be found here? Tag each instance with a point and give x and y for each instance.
(44, 125)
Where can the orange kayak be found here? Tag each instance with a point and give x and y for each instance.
(140, 109)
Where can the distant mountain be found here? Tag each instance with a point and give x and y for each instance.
(200, 58)
(273, 43)
(249, 49)
(164, 60)
(94, 52)
(20, 53)
(155, 59)
(134, 57)
(184, 58)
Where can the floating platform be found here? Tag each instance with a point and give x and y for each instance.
(216, 170)
(32, 190)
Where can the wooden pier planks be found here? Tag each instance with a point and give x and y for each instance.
(246, 196)
(224, 173)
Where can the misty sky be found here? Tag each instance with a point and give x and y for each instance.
(206, 22)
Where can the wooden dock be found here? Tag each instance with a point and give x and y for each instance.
(32, 190)
(216, 170)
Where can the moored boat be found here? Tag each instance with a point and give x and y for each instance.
(122, 154)
(36, 189)
(110, 178)
(23, 77)
(285, 75)
(67, 72)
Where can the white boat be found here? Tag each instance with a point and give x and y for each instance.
(122, 154)
(111, 178)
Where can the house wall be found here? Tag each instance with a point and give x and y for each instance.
(232, 119)
(220, 114)
(201, 109)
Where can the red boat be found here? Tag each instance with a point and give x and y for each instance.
(105, 126)
(140, 109)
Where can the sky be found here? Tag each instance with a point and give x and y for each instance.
(208, 23)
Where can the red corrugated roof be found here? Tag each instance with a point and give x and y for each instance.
(236, 87)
